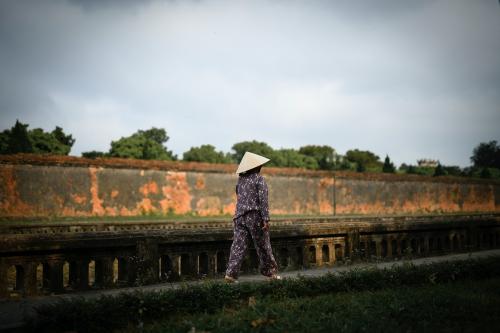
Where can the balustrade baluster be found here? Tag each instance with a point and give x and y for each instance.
(319, 255)
(176, 266)
(56, 275)
(104, 272)
(331, 252)
(378, 247)
(82, 274)
(4, 282)
(389, 253)
(30, 287)
(212, 263)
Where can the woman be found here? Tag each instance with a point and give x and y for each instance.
(251, 218)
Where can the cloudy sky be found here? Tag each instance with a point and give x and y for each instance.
(411, 79)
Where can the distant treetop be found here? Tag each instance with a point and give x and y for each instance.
(19, 139)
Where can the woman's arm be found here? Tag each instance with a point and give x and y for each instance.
(263, 193)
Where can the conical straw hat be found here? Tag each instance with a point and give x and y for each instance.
(250, 161)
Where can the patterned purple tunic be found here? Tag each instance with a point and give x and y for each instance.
(252, 209)
(252, 195)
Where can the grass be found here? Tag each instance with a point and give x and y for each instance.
(358, 293)
(465, 306)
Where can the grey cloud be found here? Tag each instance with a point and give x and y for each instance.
(404, 78)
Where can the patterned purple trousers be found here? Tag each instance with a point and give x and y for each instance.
(251, 224)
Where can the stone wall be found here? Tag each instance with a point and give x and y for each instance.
(404, 197)
(46, 187)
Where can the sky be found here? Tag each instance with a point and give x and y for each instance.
(411, 79)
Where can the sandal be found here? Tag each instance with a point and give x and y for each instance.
(230, 279)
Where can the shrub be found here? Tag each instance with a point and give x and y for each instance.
(106, 313)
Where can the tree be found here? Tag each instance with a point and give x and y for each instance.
(18, 140)
(411, 169)
(360, 167)
(205, 153)
(158, 135)
(388, 166)
(403, 167)
(4, 141)
(64, 139)
(146, 145)
(365, 158)
(453, 170)
(47, 143)
(486, 155)
(343, 163)
(324, 155)
(260, 148)
(293, 159)
(439, 171)
(485, 173)
(94, 154)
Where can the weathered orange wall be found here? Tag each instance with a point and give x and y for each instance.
(403, 197)
(49, 189)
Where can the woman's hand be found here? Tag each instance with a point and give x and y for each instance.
(266, 226)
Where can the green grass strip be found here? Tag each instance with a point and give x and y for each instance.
(464, 306)
(107, 313)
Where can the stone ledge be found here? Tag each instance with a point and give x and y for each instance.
(21, 238)
(126, 163)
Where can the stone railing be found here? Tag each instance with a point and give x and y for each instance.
(40, 258)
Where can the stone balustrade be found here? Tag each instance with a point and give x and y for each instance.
(41, 258)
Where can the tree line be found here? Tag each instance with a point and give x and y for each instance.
(151, 145)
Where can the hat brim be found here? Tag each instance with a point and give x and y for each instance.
(250, 161)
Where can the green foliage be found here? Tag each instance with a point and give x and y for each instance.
(403, 167)
(426, 171)
(293, 159)
(19, 140)
(360, 167)
(452, 170)
(460, 306)
(476, 172)
(106, 313)
(94, 154)
(158, 135)
(44, 142)
(206, 153)
(62, 138)
(416, 170)
(342, 163)
(324, 155)
(439, 171)
(146, 145)
(388, 166)
(260, 148)
(485, 173)
(364, 159)
(494, 172)
(486, 155)
(279, 158)
(4, 141)
(412, 169)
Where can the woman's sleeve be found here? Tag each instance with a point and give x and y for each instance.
(263, 199)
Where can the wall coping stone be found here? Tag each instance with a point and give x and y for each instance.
(11, 229)
(124, 163)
